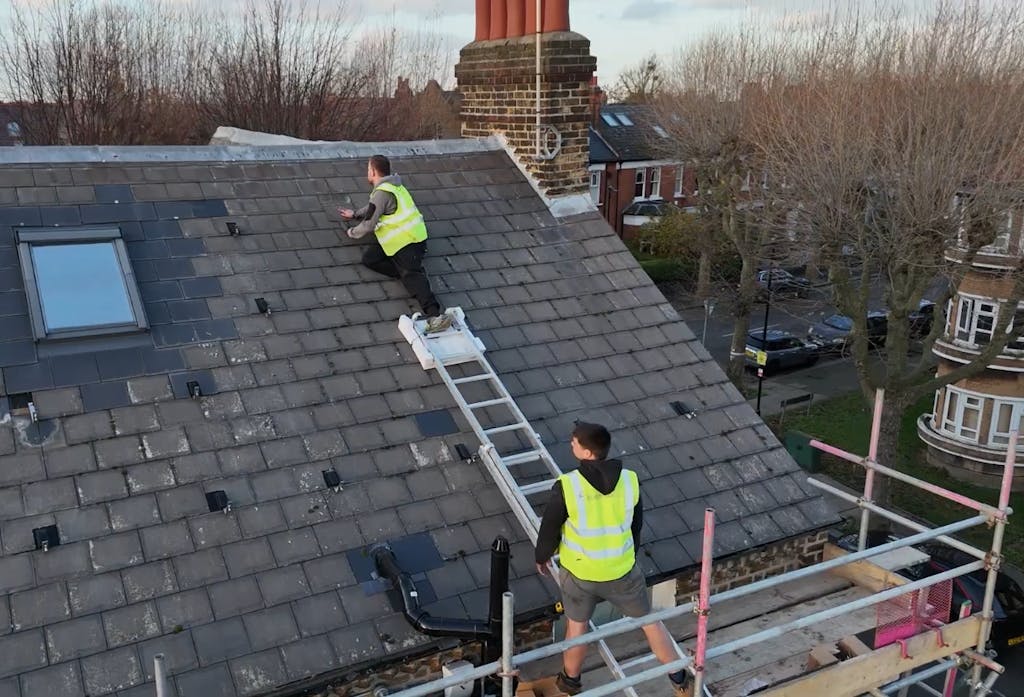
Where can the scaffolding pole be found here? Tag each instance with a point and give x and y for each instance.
(995, 560)
(704, 601)
(869, 477)
(997, 516)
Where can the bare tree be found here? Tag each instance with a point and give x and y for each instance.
(87, 73)
(872, 136)
(640, 83)
(136, 71)
(709, 106)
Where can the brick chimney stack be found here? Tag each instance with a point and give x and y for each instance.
(497, 79)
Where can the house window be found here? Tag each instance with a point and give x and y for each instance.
(624, 120)
(609, 119)
(961, 415)
(679, 182)
(1017, 325)
(79, 283)
(595, 186)
(641, 184)
(975, 321)
(655, 182)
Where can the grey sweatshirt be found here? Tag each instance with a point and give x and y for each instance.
(383, 203)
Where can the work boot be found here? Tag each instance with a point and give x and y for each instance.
(438, 323)
(570, 686)
(683, 690)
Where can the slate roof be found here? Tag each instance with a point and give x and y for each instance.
(270, 593)
(600, 151)
(634, 143)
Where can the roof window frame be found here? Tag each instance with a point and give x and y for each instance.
(27, 238)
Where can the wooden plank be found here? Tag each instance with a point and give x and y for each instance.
(864, 573)
(822, 656)
(852, 646)
(859, 675)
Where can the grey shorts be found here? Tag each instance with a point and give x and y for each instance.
(628, 594)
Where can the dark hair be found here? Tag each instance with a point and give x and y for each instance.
(381, 165)
(593, 437)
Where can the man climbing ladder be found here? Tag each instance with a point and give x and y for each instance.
(401, 236)
(594, 517)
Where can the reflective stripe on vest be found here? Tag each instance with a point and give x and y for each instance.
(404, 226)
(597, 537)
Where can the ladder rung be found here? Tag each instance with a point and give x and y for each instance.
(506, 429)
(521, 458)
(537, 487)
(474, 378)
(489, 403)
(637, 661)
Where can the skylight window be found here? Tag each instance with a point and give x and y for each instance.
(660, 131)
(609, 119)
(79, 283)
(624, 120)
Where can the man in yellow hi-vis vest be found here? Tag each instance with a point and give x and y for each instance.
(392, 216)
(593, 519)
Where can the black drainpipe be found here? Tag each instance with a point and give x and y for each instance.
(422, 621)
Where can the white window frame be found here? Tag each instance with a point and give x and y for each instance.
(970, 311)
(640, 182)
(679, 182)
(655, 184)
(595, 187)
(954, 406)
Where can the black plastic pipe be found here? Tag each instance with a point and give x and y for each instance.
(421, 620)
(499, 584)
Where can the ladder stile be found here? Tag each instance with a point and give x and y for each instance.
(458, 346)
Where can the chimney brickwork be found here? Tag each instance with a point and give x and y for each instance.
(497, 81)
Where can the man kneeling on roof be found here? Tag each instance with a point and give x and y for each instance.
(401, 235)
(593, 518)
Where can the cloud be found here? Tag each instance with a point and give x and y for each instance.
(427, 8)
(649, 9)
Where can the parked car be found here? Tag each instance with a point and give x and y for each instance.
(1007, 605)
(782, 282)
(921, 319)
(833, 333)
(782, 349)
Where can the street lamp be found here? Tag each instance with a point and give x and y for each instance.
(709, 309)
(764, 337)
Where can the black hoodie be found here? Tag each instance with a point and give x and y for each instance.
(603, 475)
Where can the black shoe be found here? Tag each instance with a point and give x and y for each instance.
(570, 686)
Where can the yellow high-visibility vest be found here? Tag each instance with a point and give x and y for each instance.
(402, 227)
(597, 538)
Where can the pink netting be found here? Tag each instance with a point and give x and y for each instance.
(913, 613)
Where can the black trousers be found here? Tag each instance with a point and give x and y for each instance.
(407, 266)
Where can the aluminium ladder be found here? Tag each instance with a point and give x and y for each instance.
(485, 402)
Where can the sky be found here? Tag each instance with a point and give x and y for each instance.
(622, 32)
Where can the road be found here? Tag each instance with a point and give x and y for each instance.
(830, 377)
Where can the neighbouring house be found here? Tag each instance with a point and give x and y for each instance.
(140, 397)
(631, 181)
(969, 427)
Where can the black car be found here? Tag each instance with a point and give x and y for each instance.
(833, 333)
(921, 319)
(1007, 605)
(781, 350)
(782, 282)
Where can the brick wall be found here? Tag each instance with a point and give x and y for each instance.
(497, 83)
(756, 565)
(770, 560)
